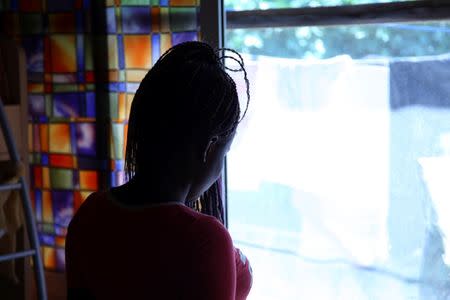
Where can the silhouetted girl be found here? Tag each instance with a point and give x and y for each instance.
(146, 239)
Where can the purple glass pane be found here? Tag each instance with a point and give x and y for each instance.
(38, 204)
(62, 207)
(66, 105)
(36, 105)
(121, 52)
(156, 47)
(136, 19)
(90, 105)
(60, 259)
(47, 239)
(34, 51)
(111, 20)
(44, 159)
(132, 87)
(180, 37)
(80, 52)
(60, 230)
(85, 138)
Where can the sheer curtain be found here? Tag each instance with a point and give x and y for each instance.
(336, 179)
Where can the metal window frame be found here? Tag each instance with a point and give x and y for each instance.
(212, 30)
(411, 11)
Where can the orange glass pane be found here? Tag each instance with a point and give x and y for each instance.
(43, 132)
(183, 2)
(45, 178)
(35, 88)
(77, 200)
(122, 108)
(60, 241)
(137, 51)
(47, 207)
(49, 257)
(63, 56)
(125, 138)
(88, 180)
(59, 138)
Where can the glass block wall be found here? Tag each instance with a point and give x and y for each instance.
(83, 71)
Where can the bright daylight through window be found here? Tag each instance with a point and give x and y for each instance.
(338, 177)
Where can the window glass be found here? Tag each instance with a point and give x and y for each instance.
(338, 176)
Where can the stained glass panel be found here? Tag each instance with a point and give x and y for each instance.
(63, 74)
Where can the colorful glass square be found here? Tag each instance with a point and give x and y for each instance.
(85, 139)
(137, 51)
(136, 19)
(59, 138)
(63, 54)
(88, 180)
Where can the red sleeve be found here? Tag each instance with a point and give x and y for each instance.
(213, 265)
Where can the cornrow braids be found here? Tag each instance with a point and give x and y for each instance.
(209, 97)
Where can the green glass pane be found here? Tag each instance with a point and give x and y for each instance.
(113, 105)
(121, 75)
(48, 228)
(117, 141)
(88, 54)
(65, 88)
(61, 178)
(48, 105)
(136, 2)
(183, 18)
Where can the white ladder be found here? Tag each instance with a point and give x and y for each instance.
(29, 216)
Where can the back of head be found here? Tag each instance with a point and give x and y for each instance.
(186, 97)
(184, 100)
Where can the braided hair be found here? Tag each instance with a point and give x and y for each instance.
(187, 93)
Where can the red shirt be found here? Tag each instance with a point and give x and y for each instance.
(158, 252)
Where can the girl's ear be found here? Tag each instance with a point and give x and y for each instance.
(208, 147)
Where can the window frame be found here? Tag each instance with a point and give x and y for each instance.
(425, 10)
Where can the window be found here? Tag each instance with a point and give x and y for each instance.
(337, 180)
